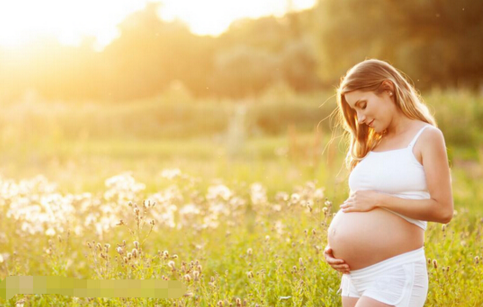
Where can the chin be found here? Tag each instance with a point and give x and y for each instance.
(377, 130)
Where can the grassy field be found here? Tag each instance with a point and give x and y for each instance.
(240, 230)
(242, 221)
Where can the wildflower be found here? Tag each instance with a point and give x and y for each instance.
(125, 259)
(170, 173)
(187, 277)
(134, 253)
(136, 244)
(435, 264)
(196, 275)
(107, 246)
(89, 245)
(119, 250)
(165, 254)
(199, 267)
(238, 302)
(477, 260)
(301, 262)
(129, 256)
(20, 302)
(152, 222)
(313, 232)
(250, 274)
(99, 246)
(443, 228)
(249, 252)
(174, 256)
(171, 264)
(220, 304)
(121, 222)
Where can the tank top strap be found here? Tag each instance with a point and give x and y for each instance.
(417, 136)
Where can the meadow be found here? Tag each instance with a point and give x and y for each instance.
(239, 212)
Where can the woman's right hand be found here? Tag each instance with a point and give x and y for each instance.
(336, 264)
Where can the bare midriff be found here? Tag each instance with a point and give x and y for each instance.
(365, 238)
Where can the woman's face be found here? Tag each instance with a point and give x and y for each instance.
(372, 110)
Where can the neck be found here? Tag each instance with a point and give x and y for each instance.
(399, 124)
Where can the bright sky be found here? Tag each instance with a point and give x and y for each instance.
(22, 21)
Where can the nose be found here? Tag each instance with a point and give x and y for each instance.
(361, 118)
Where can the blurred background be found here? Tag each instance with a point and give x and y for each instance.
(241, 90)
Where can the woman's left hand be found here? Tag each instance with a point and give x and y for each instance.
(361, 201)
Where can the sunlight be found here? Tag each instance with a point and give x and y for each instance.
(23, 21)
(213, 17)
(69, 21)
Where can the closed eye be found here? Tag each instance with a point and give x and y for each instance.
(361, 104)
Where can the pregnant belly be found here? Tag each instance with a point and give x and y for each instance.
(365, 238)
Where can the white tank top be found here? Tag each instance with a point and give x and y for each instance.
(395, 172)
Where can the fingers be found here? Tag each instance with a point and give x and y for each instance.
(336, 264)
(346, 208)
(343, 268)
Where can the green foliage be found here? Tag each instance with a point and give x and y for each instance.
(437, 43)
(176, 114)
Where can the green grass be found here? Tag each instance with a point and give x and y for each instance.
(287, 267)
(262, 212)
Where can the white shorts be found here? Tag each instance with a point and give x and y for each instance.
(401, 281)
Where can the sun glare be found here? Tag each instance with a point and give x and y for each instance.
(22, 21)
(213, 17)
(69, 21)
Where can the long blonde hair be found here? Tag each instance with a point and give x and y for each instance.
(369, 76)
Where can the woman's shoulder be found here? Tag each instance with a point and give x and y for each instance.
(432, 140)
(432, 133)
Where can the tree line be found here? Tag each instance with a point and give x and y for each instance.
(436, 42)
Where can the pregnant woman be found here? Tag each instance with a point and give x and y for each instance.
(399, 180)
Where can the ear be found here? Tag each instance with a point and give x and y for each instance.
(388, 86)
